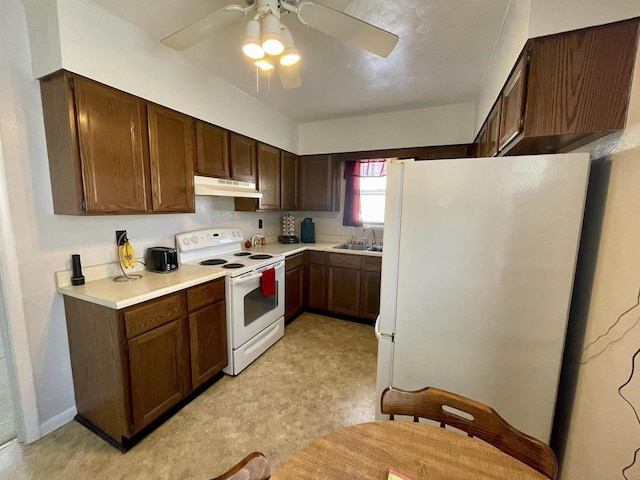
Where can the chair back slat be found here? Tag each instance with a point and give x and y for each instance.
(476, 419)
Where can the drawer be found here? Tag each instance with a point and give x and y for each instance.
(345, 261)
(319, 258)
(373, 264)
(207, 294)
(149, 315)
(293, 261)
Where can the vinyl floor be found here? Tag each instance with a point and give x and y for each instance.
(319, 377)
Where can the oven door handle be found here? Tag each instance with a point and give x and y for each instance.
(254, 276)
(245, 279)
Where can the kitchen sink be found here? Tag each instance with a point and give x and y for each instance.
(365, 248)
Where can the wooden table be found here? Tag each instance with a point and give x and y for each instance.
(419, 451)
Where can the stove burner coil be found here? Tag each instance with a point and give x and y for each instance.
(242, 254)
(233, 265)
(261, 256)
(213, 261)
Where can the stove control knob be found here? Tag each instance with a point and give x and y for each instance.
(194, 239)
(235, 234)
(186, 241)
(239, 233)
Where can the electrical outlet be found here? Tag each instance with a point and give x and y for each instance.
(259, 223)
(121, 237)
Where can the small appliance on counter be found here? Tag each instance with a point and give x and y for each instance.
(308, 231)
(288, 230)
(161, 259)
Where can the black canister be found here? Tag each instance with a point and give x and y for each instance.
(308, 231)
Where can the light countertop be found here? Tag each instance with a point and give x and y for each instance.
(101, 289)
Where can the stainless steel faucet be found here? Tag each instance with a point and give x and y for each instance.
(373, 235)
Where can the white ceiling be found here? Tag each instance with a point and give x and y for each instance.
(440, 59)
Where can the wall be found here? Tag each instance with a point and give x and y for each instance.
(100, 46)
(445, 125)
(604, 431)
(46, 241)
(512, 37)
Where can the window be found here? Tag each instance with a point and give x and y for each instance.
(372, 200)
(365, 190)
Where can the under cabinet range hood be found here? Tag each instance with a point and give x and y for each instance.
(221, 187)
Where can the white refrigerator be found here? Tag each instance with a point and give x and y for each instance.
(477, 273)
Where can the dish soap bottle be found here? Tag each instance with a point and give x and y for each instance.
(353, 236)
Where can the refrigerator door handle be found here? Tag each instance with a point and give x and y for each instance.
(382, 335)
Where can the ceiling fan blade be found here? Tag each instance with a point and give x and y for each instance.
(349, 29)
(198, 30)
(289, 76)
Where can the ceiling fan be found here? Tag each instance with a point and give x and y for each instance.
(267, 37)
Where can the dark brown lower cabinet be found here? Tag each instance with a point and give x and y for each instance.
(345, 277)
(130, 366)
(344, 284)
(370, 297)
(317, 280)
(294, 286)
(208, 335)
(158, 372)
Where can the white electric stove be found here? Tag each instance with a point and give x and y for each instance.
(254, 322)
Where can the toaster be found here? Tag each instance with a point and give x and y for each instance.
(161, 259)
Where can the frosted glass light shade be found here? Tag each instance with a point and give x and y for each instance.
(291, 55)
(271, 39)
(251, 46)
(265, 64)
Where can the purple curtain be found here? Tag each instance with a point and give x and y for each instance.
(352, 216)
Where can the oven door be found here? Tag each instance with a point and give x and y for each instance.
(249, 311)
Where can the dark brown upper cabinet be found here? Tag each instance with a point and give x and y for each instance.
(318, 186)
(213, 150)
(268, 177)
(493, 129)
(113, 153)
(511, 115)
(172, 154)
(568, 89)
(97, 141)
(243, 158)
(289, 172)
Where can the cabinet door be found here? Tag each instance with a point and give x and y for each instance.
(493, 130)
(208, 334)
(317, 286)
(112, 140)
(268, 177)
(289, 171)
(159, 372)
(344, 291)
(512, 114)
(370, 301)
(316, 183)
(243, 158)
(172, 152)
(213, 150)
(294, 292)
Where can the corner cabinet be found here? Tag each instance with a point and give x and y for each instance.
(132, 366)
(289, 172)
(101, 160)
(319, 183)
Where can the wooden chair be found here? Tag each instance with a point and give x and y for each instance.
(254, 466)
(483, 422)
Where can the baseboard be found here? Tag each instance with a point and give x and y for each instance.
(57, 421)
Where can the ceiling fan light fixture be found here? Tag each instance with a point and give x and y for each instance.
(265, 64)
(251, 46)
(271, 38)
